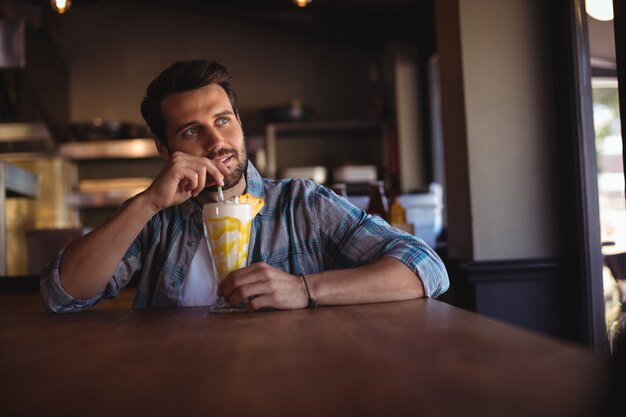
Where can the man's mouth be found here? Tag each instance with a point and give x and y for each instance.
(223, 158)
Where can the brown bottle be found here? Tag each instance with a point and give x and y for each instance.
(378, 204)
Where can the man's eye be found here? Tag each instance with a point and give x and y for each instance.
(191, 131)
(222, 121)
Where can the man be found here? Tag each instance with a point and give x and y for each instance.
(308, 246)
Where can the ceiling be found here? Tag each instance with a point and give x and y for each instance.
(384, 19)
(364, 19)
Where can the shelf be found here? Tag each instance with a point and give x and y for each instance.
(110, 149)
(107, 192)
(324, 126)
(276, 131)
(103, 193)
(25, 137)
(101, 199)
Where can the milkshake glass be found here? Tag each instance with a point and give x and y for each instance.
(227, 227)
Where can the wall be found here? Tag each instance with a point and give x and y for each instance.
(500, 151)
(506, 101)
(407, 99)
(115, 49)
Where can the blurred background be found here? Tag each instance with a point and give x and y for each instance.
(325, 91)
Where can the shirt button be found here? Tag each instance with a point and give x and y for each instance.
(190, 243)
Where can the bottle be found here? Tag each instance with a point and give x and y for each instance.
(398, 212)
(378, 204)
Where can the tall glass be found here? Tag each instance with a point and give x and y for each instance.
(227, 228)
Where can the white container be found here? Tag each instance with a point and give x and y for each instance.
(425, 212)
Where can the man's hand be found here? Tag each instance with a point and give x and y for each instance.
(264, 286)
(184, 176)
(385, 279)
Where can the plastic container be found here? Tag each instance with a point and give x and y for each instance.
(425, 212)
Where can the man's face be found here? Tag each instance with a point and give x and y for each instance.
(202, 122)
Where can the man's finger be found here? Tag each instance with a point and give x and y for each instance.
(245, 293)
(215, 172)
(236, 280)
(240, 277)
(189, 179)
(257, 303)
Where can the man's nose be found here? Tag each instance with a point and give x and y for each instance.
(213, 141)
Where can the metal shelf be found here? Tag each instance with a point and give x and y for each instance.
(273, 130)
(324, 125)
(106, 193)
(101, 199)
(114, 194)
(110, 149)
(25, 137)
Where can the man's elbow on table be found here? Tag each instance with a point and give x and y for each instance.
(54, 297)
(438, 282)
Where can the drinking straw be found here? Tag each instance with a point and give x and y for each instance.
(220, 194)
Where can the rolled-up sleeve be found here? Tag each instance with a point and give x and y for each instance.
(424, 261)
(358, 238)
(54, 297)
(56, 300)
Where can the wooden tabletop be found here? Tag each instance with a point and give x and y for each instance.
(413, 358)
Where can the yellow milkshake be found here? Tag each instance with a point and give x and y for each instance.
(227, 229)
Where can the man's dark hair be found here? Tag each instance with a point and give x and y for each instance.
(183, 76)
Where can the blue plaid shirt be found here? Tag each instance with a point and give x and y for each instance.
(304, 228)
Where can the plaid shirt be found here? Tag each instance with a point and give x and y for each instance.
(304, 228)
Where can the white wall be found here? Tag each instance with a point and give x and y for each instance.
(511, 150)
(408, 112)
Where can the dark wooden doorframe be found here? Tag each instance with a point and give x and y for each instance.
(583, 302)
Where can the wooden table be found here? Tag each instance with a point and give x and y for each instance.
(413, 358)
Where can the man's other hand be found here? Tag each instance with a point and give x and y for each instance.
(262, 286)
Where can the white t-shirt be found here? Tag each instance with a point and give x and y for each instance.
(200, 283)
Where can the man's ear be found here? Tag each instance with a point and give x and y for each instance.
(163, 151)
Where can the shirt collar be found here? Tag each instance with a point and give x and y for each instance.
(254, 182)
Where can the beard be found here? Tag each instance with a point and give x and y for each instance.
(240, 157)
(237, 171)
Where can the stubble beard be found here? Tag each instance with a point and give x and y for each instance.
(237, 171)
